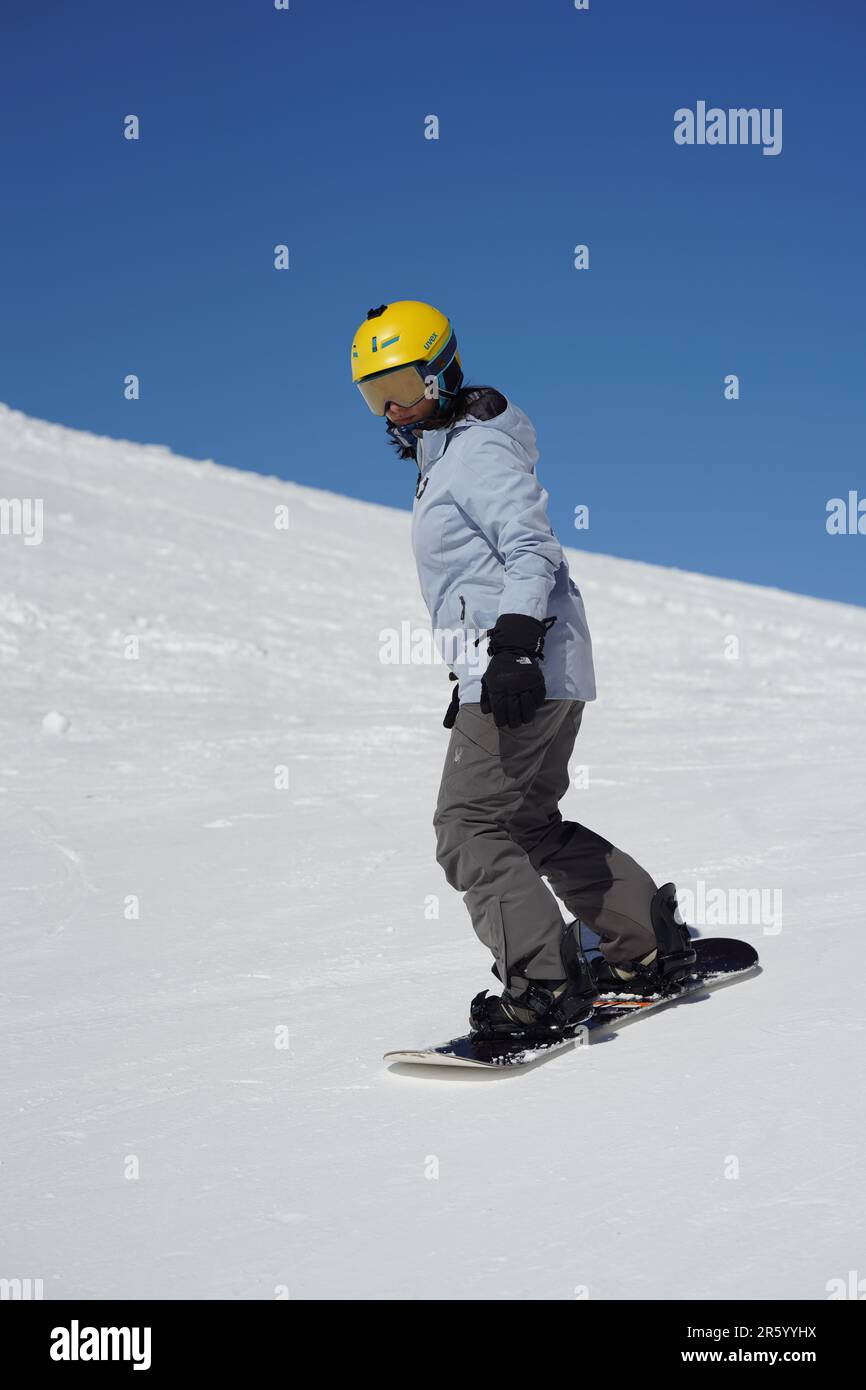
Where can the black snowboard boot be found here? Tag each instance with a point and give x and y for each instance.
(545, 1008)
(662, 969)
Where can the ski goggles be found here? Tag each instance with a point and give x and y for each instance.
(405, 386)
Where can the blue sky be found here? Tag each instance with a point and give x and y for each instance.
(556, 128)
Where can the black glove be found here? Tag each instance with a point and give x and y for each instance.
(512, 687)
(451, 712)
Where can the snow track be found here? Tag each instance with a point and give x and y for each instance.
(714, 1152)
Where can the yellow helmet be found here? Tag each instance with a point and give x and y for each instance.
(403, 352)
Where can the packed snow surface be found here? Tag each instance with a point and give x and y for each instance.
(221, 906)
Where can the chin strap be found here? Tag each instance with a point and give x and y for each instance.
(405, 434)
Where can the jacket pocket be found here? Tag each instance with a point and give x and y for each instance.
(477, 608)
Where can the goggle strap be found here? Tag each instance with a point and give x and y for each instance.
(444, 356)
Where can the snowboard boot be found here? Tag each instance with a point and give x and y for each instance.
(545, 1008)
(662, 969)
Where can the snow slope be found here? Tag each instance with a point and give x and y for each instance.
(152, 1039)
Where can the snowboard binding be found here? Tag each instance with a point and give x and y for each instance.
(545, 1008)
(663, 970)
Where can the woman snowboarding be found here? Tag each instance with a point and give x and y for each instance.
(498, 589)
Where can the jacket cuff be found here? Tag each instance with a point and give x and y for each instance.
(518, 631)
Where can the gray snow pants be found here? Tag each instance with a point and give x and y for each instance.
(498, 829)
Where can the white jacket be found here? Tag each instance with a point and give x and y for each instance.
(484, 546)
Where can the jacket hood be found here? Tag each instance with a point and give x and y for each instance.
(511, 421)
(493, 414)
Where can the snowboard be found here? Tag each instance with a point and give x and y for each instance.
(720, 961)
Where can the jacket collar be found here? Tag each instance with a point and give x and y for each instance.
(433, 443)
